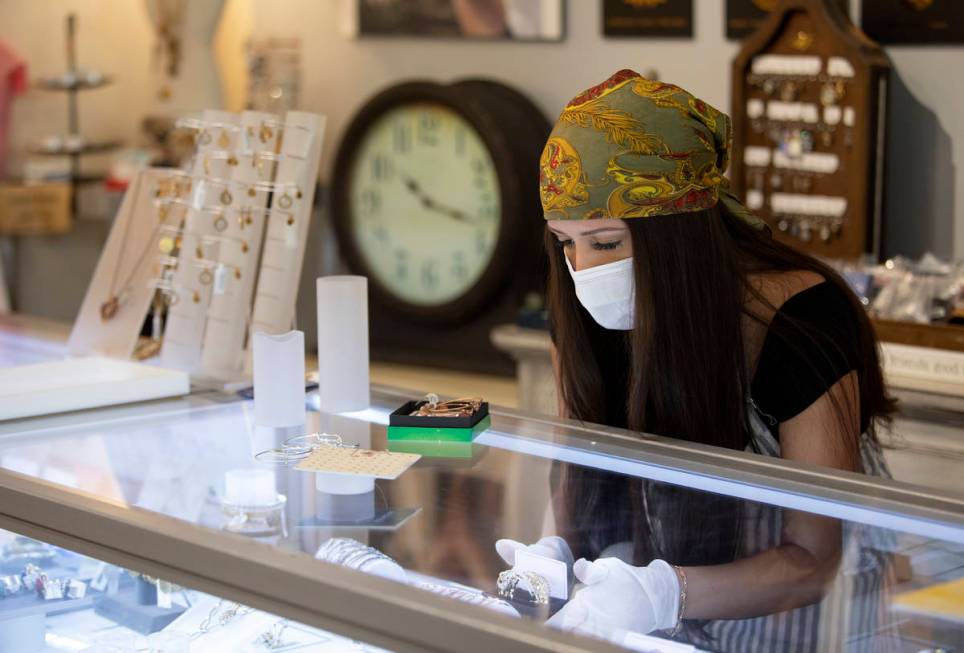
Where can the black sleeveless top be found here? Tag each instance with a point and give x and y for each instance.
(812, 342)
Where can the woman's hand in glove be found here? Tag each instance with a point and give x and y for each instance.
(617, 597)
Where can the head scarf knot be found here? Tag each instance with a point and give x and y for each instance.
(633, 148)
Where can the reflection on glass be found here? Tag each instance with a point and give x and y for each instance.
(122, 611)
(864, 588)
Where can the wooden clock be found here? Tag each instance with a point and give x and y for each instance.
(435, 200)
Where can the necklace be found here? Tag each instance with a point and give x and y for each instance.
(116, 298)
(216, 618)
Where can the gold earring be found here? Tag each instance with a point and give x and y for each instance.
(196, 297)
(285, 201)
(204, 138)
(265, 133)
(206, 277)
(291, 220)
(251, 191)
(224, 140)
(226, 198)
(244, 247)
(220, 223)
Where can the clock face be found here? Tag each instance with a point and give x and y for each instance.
(425, 208)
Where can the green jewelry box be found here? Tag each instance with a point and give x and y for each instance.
(402, 425)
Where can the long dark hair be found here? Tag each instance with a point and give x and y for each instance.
(683, 373)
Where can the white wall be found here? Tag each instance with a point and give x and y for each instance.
(926, 192)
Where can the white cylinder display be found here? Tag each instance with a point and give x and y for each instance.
(250, 487)
(279, 379)
(343, 343)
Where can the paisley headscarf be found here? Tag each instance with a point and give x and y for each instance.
(634, 148)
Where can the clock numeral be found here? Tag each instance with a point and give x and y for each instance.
(460, 141)
(481, 243)
(371, 202)
(402, 138)
(459, 270)
(430, 278)
(428, 129)
(401, 264)
(382, 168)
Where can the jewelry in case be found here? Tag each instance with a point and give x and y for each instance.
(456, 420)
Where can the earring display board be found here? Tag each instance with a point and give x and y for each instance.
(194, 245)
(913, 21)
(254, 190)
(809, 103)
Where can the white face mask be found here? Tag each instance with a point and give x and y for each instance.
(608, 292)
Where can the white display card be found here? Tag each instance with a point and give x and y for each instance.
(358, 462)
(554, 571)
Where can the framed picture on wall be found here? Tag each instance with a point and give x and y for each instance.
(648, 18)
(744, 16)
(514, 20)
(913, 21)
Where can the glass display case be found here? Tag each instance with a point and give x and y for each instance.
(97, 506)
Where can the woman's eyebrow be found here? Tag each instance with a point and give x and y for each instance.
(587, 233)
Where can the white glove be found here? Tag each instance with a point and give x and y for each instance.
(618, 597)
(552, 546)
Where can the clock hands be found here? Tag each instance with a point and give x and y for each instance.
(415, 189)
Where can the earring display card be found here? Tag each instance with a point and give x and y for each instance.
(289, 217)
(227, 325)
(387, 465)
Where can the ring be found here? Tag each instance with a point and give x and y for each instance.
(510, 579)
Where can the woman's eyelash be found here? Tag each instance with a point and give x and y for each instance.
(565, 244)
(612, 245)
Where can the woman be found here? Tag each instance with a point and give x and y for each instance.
(674, 312)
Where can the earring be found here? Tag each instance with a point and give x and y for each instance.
(196, 297)
(224, 140)
(206, 277)
(265, 133)
(226, 198)
(204, 137)
(244, 247)
(291, 220)
(244, 217)
(220, 223)
(285, 201)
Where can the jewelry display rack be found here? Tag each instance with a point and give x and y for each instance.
(809, 112)
(209, 246)
(72, 82)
